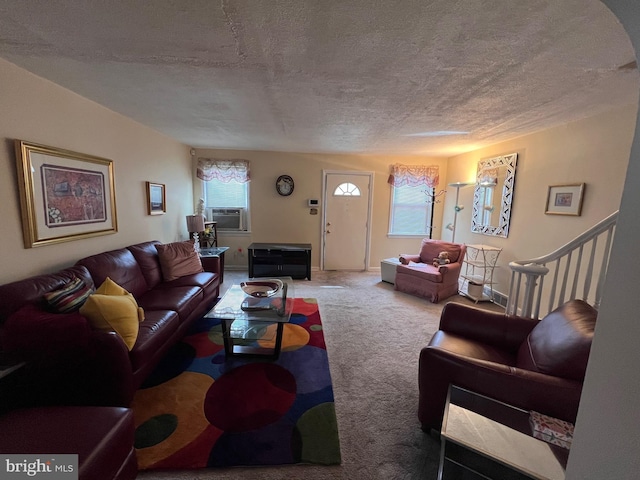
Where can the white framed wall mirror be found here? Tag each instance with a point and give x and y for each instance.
(493, 195)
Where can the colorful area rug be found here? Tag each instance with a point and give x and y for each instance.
(200, 410)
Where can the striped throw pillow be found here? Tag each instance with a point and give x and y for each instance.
(69, 298)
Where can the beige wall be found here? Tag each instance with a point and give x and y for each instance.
(594, 151)
(287, 219)
(39, 111)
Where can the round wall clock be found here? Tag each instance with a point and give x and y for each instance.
(284, 185)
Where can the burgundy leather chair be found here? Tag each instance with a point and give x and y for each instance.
(102, 437)
(530, 364)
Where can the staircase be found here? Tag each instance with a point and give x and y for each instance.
(576, 270)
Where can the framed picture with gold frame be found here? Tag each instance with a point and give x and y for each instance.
(156, 199)
(565, 199)
(64, 195)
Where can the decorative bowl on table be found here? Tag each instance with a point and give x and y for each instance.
(261, 288)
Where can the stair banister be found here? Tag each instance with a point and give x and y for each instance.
(532, 272)
(566, 273)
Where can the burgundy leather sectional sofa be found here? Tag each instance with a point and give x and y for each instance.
(78, 381)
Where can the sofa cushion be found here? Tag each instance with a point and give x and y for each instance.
(468, 349)
(119, 265)
(146, 255)
(560, 344)
(31, 290)
(178, 259)
(183, 300)
(421, 270)
(33, 332)
(209, 282)
(69, 298)
(431, 248)
(112, 308)
(154, 338)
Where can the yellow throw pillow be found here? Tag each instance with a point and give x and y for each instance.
(112, 308)
(109, 287)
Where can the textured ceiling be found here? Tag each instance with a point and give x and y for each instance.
(361, 76)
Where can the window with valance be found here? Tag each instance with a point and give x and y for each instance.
(223, 170)
(226, 191)
(412, 198)
(414, 175)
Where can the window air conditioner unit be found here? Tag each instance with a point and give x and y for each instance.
(227, 218)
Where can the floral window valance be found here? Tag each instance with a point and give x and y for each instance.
(414, 175)
(223, 170)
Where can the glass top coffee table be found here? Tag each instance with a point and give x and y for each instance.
(482, 438)
(253, 326)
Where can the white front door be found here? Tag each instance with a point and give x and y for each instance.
(347, 219)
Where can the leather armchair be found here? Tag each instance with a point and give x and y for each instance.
(417, 275)
(102, 437)
(530, 364)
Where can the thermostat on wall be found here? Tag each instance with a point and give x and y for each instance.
(314, 203)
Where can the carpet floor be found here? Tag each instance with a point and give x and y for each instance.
(373, 336)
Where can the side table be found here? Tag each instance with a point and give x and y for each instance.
(213, 260)
(482, 438)
(212, 240)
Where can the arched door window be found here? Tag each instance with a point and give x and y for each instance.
(346, 190)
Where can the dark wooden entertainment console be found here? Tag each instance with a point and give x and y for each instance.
(280, 260)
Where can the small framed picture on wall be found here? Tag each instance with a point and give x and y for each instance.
(156, 198)
(565, 199)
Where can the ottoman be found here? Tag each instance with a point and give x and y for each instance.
(388, 269)
(101, 436)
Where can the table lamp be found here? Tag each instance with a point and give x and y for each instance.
(195, 225)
